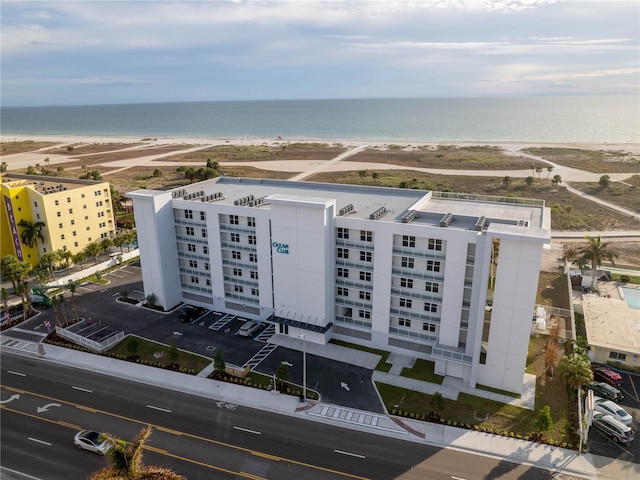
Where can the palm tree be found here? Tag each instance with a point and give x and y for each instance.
(538, 171)
(23, 291)
(3, 167)
(575, 370)
(5, 300)
(506, 181)
(119, 242)
(48, 261)
(549, 170)
(93, 250)
(105, 243)
(126, 461)
(55, 301)
(79, 258)
(66, 256)
(72, 286)
(557, 179)
(594, 253)
(60, 300)
(32, 231)
(605, 181)
(13, 270)
(529, 181)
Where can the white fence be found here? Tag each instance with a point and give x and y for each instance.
(99, 347)
(114, 261)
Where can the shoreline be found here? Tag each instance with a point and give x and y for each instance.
(214, 141)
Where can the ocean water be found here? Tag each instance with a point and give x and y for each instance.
(593, 119)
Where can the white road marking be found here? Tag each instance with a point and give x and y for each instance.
(159, 408)
(82, 389)
(350, 454)
(458, 478)
(247, 430)
(39, 441)
(17, 373)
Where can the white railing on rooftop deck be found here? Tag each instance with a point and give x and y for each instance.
(489, 198)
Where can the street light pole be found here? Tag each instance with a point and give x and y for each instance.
(304, 367)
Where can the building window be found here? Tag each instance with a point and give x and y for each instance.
(252, 239)
(35, 204)
(433, 266)
(343, 253)
(68, 199)
(203, 216)
(60, 225)
(408, 241)
(38, 216)
(407, 262)
(406, 302)
(195, 279)
(99, 204)
(62, 237)
(255, 292)
(189, 231)
(205, 250)
(234, 220)
(86, 217)
(254, 274)
(58, 214)
(428, 327)
(366, 236)
(343, 233)
(620, 357)
(56, 202)
(193, 263)
(74, 233)
(88, 228)
(235, 237)
(191, 247)
(71, 210)
(238, 288)
(343, 272)
(188, 214)
(97, 193)
(84, 207)
(406, 282)
(100, 214)
(343, 292)
(237, 272)
(236, 255)
(75, 244)
(73, 222)
(364, 314)
(206, 266)
(204, 232)
(432, 287)
(365, 276)
(365, 295)
(365, 256)
(253, 257)
(435, 244)
(430, 307)
(404, 322)
(251, 221)
(208, 282)
(104, 235)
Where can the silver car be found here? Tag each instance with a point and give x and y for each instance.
(249, 328)
(92, 441)
(607, 407)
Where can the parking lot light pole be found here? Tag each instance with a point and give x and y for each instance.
(304, 367)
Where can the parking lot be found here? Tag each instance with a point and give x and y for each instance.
(338, 383)
(599, 444)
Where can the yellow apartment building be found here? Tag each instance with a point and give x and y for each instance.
(74, 213)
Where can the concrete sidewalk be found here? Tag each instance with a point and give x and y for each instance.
(509, 449)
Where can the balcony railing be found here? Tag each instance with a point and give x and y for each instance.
(419, 294)
(431, 338)
(417, 273)
(238, 246)
(347, 302)
(414, 315)
(360, 265)
(419, 252)
(228, 227)
(488, 198)
(192, 239)
(344, 242)
(360, 322)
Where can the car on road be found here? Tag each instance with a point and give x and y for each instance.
(604, 374)
(190, 313)
(619, 432)
(249, 328)
(607, 407)
(605, 390)
(92, 441)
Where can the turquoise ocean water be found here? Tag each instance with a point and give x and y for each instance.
(595, 119)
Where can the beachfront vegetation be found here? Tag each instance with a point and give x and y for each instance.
(597, 161)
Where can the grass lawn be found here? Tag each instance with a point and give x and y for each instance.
(159, 354)
(422, 370)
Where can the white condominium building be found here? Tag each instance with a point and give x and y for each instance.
(448, 277)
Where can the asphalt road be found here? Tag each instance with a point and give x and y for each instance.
(201, 438)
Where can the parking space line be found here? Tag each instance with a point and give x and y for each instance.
(635, 390)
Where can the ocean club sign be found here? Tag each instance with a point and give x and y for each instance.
(281, 247)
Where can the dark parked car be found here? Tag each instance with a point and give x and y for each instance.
(604, 374)
(189, 313)
(605, 390)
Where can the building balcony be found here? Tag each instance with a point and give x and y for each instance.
(430, 338)
(190, 222)
(417, 273)
(359, 284)
(419, 294)
(345, 242)
(228, 227)
(195, 271)
(419, 253)
(192, 255)
(452, 354)
(359, 322)
(196, 288)
(240, 281)
(192, 239)
(414, 315)
(244, 247)
(347, 302)
(242, 298)
(345, 262)
(232, 262)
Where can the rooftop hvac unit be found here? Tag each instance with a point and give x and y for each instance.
(480, 223)
(446, 220)
(378, 213)
(409, 216)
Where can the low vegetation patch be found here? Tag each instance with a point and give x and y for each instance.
(597, 161)
(9, 148)
(423, 370)
(624, 194)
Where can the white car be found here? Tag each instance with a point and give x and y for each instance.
(249, 328)
(607, 407)
(92, 441)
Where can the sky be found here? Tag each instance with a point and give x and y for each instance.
(113, 52)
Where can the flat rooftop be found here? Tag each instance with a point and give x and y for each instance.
(386, 204)
(46, 185)
(611, 324)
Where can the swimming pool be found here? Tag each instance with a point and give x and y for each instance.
(632, 296)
